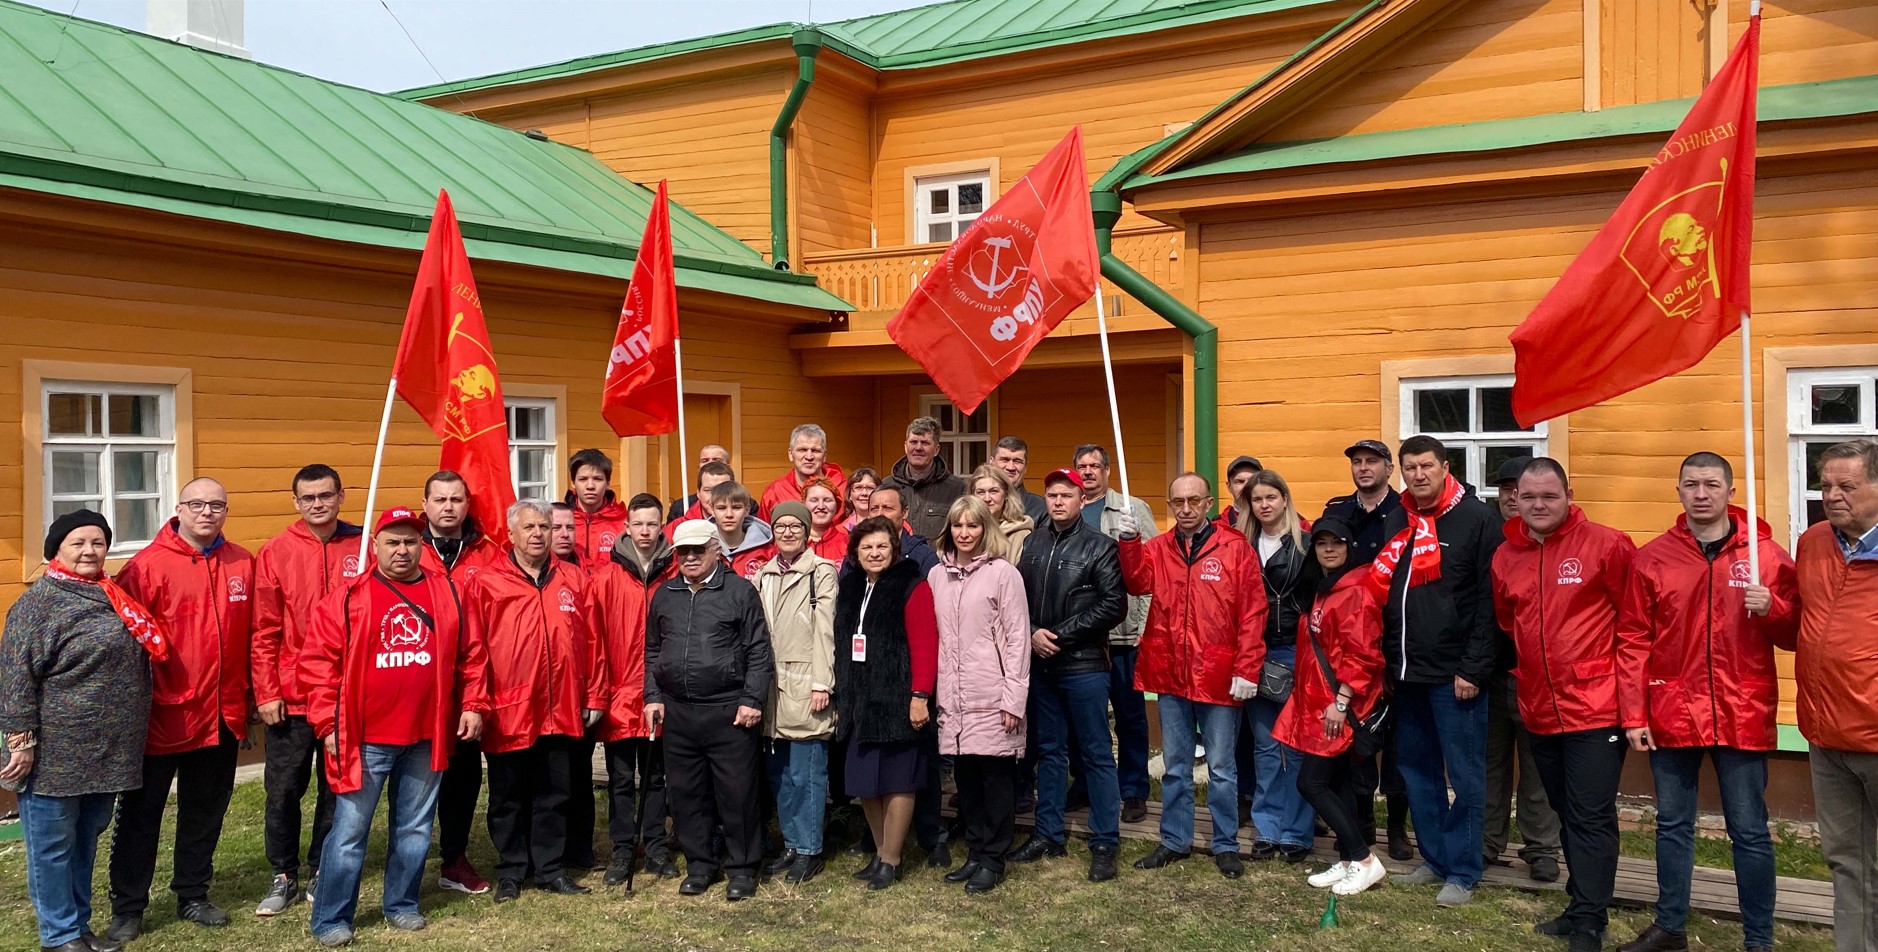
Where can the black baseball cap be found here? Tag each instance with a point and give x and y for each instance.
(1510, 470)
(1337, 528)
(1370, 446)
(1240, 462)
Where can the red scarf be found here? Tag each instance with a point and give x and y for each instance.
(142, 625)
(1419, 538)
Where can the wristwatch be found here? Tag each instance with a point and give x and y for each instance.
(922, 695)
(1343, 704)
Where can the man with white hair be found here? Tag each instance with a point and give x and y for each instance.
(808, 460)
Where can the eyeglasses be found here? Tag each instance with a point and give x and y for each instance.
(322, 499)
(1179, 503)
(791, 527)
(198, 505)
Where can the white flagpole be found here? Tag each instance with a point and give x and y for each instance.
(378, 459)
(1108, 372)
(1752, 529)
(684, 454)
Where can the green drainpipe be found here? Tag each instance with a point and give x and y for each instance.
(1108, 210)
(808, 44)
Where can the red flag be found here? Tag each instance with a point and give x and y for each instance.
(641, 393)
(1666, 279)
(447, 373)
(1027, 262)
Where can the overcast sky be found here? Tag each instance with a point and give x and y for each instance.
(359, 42)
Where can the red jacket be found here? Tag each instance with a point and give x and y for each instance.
(204, 601)
(1206, 624)
(1559, 599)
(1711, 679)
(294, 571)
(696, 511)
(1347, 621)
(616, 609)
(333, 663)
(595, 532)
(833, 545)
(545, 664)
(785, 487)
(1834, 667)
(478, 551)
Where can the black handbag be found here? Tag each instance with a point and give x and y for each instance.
(1367, 734)
(1275, 680)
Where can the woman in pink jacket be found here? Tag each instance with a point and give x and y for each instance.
(984, 683)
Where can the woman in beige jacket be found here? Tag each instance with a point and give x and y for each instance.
(991, 485)
(798, 592)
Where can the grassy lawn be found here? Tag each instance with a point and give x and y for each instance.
(1051, 907)
(1792, 856)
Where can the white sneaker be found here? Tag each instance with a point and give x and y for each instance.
(1330, 877)
(1361, 877)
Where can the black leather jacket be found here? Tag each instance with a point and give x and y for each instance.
(1073, 580)
(1287, 591)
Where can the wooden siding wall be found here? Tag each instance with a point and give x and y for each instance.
(831, 192)
(289, 364)
(1650, 50)
(1492, 59)
(1309, 308)
(1804, 41)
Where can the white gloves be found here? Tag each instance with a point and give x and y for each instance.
(1243, 690)
(1126, 523)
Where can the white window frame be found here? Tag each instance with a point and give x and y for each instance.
(549, 446)
(107, 445)
(1475, 441)
(924, 218)
(1801, 429)
(952, 443)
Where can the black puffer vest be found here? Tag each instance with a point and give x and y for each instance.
(873, 696)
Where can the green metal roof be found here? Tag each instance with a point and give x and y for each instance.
(924, 36)
(94, 111)
(1839, 97)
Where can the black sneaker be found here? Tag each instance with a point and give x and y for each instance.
(1543, 869)
(1229, 865)
(203, 913)
(1162, 856)
(1263, 850)
(1134, 810)
(125, 928)
(1101, 864)
(508, 890)
(1037, 848)
(807, 867)
(780, 863)
(1399, 848)
(1295, 854)
(620, 867)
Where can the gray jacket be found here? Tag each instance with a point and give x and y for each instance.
(1128, 633)
(71, 673)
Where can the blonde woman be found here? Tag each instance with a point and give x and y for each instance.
(1269, 520)
(993, 488)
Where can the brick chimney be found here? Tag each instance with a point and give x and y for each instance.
(205, 24)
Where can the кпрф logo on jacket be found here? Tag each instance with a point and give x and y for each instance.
(1571, 572)
(403, 638)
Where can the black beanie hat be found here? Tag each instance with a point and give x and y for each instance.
(69, 523)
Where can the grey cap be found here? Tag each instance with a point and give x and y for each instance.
(1239, 462)
(1510, 470)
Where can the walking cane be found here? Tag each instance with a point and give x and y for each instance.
(639, 811)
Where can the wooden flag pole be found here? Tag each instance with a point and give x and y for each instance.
(378, 460)
(684, 455)
(1752, 529)
(1108, 373)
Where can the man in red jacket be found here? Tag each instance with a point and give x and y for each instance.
(199, 584)
(808, 459)
(547, 686)
(1558, 584)
(1201, 652)
(1711, 687)
(307, 561)
(599, 519)
(394, 676)
(455, 549)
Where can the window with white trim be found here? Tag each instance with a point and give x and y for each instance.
(945, 205)
(111, 448)
(1473, 418)
(964, 439)
(1824, 407)
(533, 446)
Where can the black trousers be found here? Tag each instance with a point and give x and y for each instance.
(580, 813)
(457, 793)
(294, 757)
(1580, 770)
(205, 778)
(712, 768)
(529, 790)
(1369, 778)
(928, 825)
(636, 767)
(987, 806)
(1329, 786)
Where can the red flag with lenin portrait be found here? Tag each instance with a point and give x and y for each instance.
(446, 371)
(1666, 279)
(1027, 262)
(641, 392)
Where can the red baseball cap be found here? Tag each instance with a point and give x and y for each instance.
(396, 515)
(1074, 478)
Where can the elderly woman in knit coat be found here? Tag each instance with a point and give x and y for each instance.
(984, 682)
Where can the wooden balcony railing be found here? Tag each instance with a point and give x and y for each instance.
(881, 279)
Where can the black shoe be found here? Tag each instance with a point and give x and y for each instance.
(1586, 942)
(1134, 810)
(76, 945)
(125, 928)
(780, 863)
(884, 876)
(983, 880)
(508, 890)
(1229, 865)
(1399, 848)
(1556, 928)
(1543, 869)
(941, 856)
(1037, 848)
(661, 865)
(620, 867)
(1294, 854)
(866, 873)
(740, 888)
(1101, 864)
(1655, 939)
(1162, 856)
(807, 867)
(96, 944)
(1026, 804)
(1263, 850)
(964, 872)
(697, 884)
(563, 885)
(203, 913)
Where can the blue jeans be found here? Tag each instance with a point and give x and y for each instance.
(1131, 729)
(61, 851)
(1278, 809)
(1441, 742)
(1077, 703)
(1743, 779)
(1218, 725)
(798, 773)
(413, 803)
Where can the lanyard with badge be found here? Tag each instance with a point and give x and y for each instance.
(858, 652)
